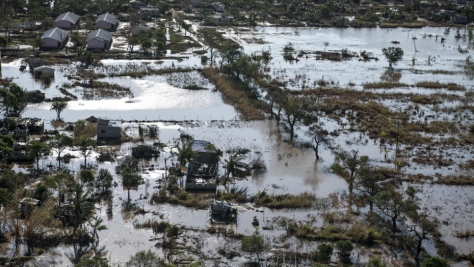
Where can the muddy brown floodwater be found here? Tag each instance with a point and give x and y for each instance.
(290, 170)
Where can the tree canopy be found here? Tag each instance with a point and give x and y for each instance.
(393, 54)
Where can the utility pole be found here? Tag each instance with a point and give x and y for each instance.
(0, 64)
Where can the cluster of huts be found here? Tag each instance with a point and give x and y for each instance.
(101, 38)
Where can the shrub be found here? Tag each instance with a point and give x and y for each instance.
(345, 247)
(434, 262)
(375, 262)
(324, 252)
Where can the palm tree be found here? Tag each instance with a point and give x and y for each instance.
(235, 166)
(185, 153)
(83, 206)
(96, 227)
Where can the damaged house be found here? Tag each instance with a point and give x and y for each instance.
(202, 171)
(109, 132)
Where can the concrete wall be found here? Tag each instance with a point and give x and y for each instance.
(50, 43)
(97, 44)
(106, 132)
(104, 25)
(66, 25)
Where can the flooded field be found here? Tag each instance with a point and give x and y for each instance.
(290, 169)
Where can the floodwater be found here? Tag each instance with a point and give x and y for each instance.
(289, 170)
(446, 54)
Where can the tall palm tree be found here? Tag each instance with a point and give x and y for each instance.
(236, 166)
(83, 206)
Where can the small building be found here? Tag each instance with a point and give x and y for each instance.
(33, 25)
(137, 4)
(67, 21)
(18, 28)
(54, 38)
(222, 211)
(106, 21)
(149, 12)
(138, 29)
(218, 6)
(99, 39)
(42, 71)
(460, 19)
(145, 151)
(219, 18)
(202, 172)
(109, 132)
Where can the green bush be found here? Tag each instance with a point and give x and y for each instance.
(434, 262)
(324, 252)
(345, 247)
(375, 262)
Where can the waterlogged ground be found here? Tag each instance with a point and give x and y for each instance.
(289, 170)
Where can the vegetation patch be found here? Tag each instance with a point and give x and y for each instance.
(232, 94)
(438, 85)
(384, 85)
(303, 200)
(183, 198)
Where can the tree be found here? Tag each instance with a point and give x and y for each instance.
(62, 182)
(96, 227)
(103, 180)
(86, 147)
(37, 150)
(38, 225)
(347, 163)
(319, 137)
(345, 247)
(59, 144)
(420, 228)
(145, 259)
(130, 178)
(295, 107)
(236, 166)
(83, 207)
(58, 106)
(185, 152)
(253, 244)
(86, 177)
(368, 183)
(324, 252)
(434, 262)
(6, 150)
(393, 54)
(390, 203)
(9, 102)
(96, 261)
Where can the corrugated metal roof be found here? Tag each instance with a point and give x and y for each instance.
(56, 33)
(112, 19)
(99, 34)
(68, 16)
(44, 67)
(199, 145)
